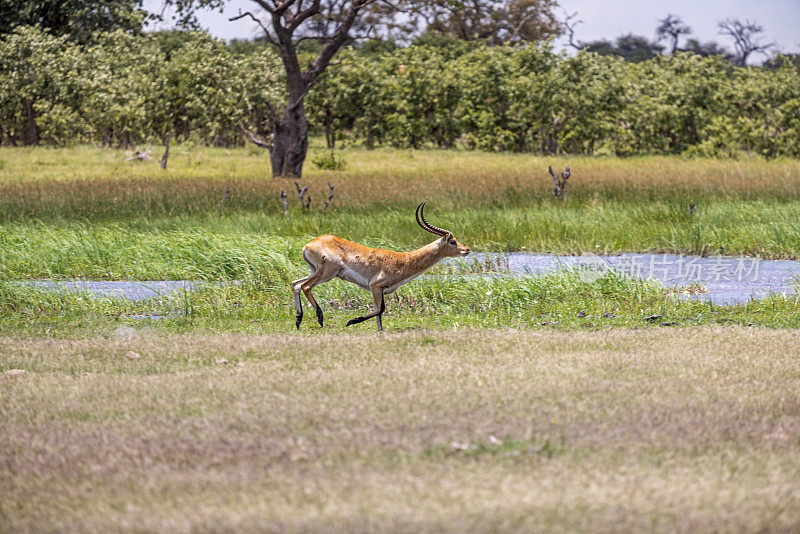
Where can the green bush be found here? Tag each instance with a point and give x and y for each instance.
(328, 162)
(125, 90)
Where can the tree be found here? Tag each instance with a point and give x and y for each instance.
(783, 59)
(492, 21)
(672, 27)
(631, 47)
(78, 19)
(119, 92)
(289, 23)
(334, 101)
(746, 39)
(707, 49)
(40, 75)
(569, 25)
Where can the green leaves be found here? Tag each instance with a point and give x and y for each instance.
(127, 89)
(530, 99)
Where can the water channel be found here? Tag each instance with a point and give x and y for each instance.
(720, 279)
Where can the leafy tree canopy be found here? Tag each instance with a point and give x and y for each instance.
(707, 49)
(77, 19)
(783, 60)
(492, 21)
(634, 48)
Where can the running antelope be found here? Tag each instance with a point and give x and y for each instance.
(378, 270)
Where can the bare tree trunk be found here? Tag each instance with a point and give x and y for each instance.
(31, 136)
(330, 197)
(519, 142)
(330, 134)
(165, 157)
(108, 135)
(290, 143)
(369, 141)
(552, 144)
(284, 202)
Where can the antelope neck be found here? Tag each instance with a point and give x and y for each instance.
(426, 256)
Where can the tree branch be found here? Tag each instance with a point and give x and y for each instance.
(257, 21)
(569, 26)
(281, 7)
(338, 39)
(301, 16)
(518, 28)
(265, 5)
(256, 140)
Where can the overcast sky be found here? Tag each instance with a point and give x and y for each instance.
(606, 18)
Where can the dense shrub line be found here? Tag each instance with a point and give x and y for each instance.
(126, 90)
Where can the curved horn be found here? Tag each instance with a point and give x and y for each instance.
(426, 225)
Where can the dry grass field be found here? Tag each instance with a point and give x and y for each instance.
(460, 430)
(93, 183)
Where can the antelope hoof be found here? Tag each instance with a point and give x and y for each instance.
(319, 315)
(354, 321)
(299, 320)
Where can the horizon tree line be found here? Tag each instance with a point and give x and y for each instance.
(334, 24)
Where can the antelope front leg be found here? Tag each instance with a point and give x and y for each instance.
(380, 307)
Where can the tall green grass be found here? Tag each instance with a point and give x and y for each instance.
(263, 304)
(235, 245)
(85, 212)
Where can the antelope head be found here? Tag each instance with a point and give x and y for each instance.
(448, 245)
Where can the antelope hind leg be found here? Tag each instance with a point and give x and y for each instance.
(298, 304)
(325, 273)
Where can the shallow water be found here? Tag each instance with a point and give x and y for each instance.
(725, 279)
(130, 290)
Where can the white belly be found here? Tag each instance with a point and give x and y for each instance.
(392, 289)
(349, 275)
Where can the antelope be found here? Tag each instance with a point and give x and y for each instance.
(377, 270)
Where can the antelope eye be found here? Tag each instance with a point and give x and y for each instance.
(453, 242)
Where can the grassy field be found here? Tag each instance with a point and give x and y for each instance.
(473, 430)
(490, 404)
